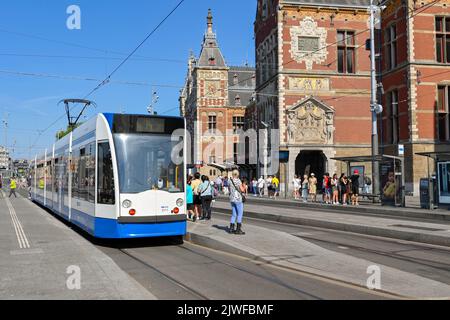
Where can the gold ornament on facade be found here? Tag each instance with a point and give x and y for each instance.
(309, 84)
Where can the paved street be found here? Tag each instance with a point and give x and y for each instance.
(160, 269)
(39, 253)
(428, 261)
(423, 226)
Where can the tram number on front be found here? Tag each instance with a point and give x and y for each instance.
(164, 209)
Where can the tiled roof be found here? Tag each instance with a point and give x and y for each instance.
(241, 83)
(211, 56)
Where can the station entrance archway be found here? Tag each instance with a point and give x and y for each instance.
(308, 162)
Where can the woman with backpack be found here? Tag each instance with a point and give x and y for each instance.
(237, 200)
(205, 191)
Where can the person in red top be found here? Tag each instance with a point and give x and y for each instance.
(326, 187)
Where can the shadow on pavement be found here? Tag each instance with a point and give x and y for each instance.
(221, 228)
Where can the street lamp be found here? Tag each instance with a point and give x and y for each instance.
(266, 151)
(375, 108)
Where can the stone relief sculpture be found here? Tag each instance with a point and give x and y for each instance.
(291, 126)
(310, 122)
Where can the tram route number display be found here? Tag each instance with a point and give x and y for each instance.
(150, 125)
(226, 310)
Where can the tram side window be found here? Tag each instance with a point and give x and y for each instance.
(90, 171)
(56, 175)
(66, 161)
(106, 193)
(40, 176)
(83, 182)
(74, 170)
(49, 175)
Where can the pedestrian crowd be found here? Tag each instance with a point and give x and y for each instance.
(343, 190)
(201, 194)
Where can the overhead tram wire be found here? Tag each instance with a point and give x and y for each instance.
(104, 51)
(417, 11)
(45, 56)
(79, 78)
(104, 82)
(107, 79)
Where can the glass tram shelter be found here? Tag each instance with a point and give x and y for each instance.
(436, 187)
(392, 177)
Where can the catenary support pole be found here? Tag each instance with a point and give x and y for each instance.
(373, 104)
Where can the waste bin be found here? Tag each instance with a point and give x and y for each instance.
(426, 194)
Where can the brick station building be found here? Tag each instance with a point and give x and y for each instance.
(214, 101)
(415, 73)
(313, 81)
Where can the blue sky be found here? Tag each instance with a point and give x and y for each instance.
(34, 39)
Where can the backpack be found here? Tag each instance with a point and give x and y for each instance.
(369, 181)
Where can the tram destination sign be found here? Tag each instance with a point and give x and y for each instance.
(146, 124)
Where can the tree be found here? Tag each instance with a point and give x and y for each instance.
(61, 134)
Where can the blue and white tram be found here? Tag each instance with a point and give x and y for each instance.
(117, 176)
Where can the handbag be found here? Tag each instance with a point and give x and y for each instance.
(244, 199)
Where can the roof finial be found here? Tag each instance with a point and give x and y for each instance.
(210, 21)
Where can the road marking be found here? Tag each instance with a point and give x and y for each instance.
(23, 252)
(20, 233)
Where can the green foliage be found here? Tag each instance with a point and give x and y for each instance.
(61, 134)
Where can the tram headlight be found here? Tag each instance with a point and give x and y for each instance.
(126, 204)
(180, 202)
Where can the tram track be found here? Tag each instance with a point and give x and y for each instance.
(280, 283)
(350, 241)
(166, 276)
(394, 255)
(230, 265)
(239, 267)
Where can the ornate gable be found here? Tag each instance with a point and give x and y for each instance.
(310, 121)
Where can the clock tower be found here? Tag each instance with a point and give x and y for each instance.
(213, 101)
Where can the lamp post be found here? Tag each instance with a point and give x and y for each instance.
(5, 123)
(266, 153)
(375, 108)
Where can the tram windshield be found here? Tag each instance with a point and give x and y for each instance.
(145, 163)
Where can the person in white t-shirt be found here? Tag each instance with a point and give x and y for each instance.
(254, 185)
(261, 186)
(296, 182)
